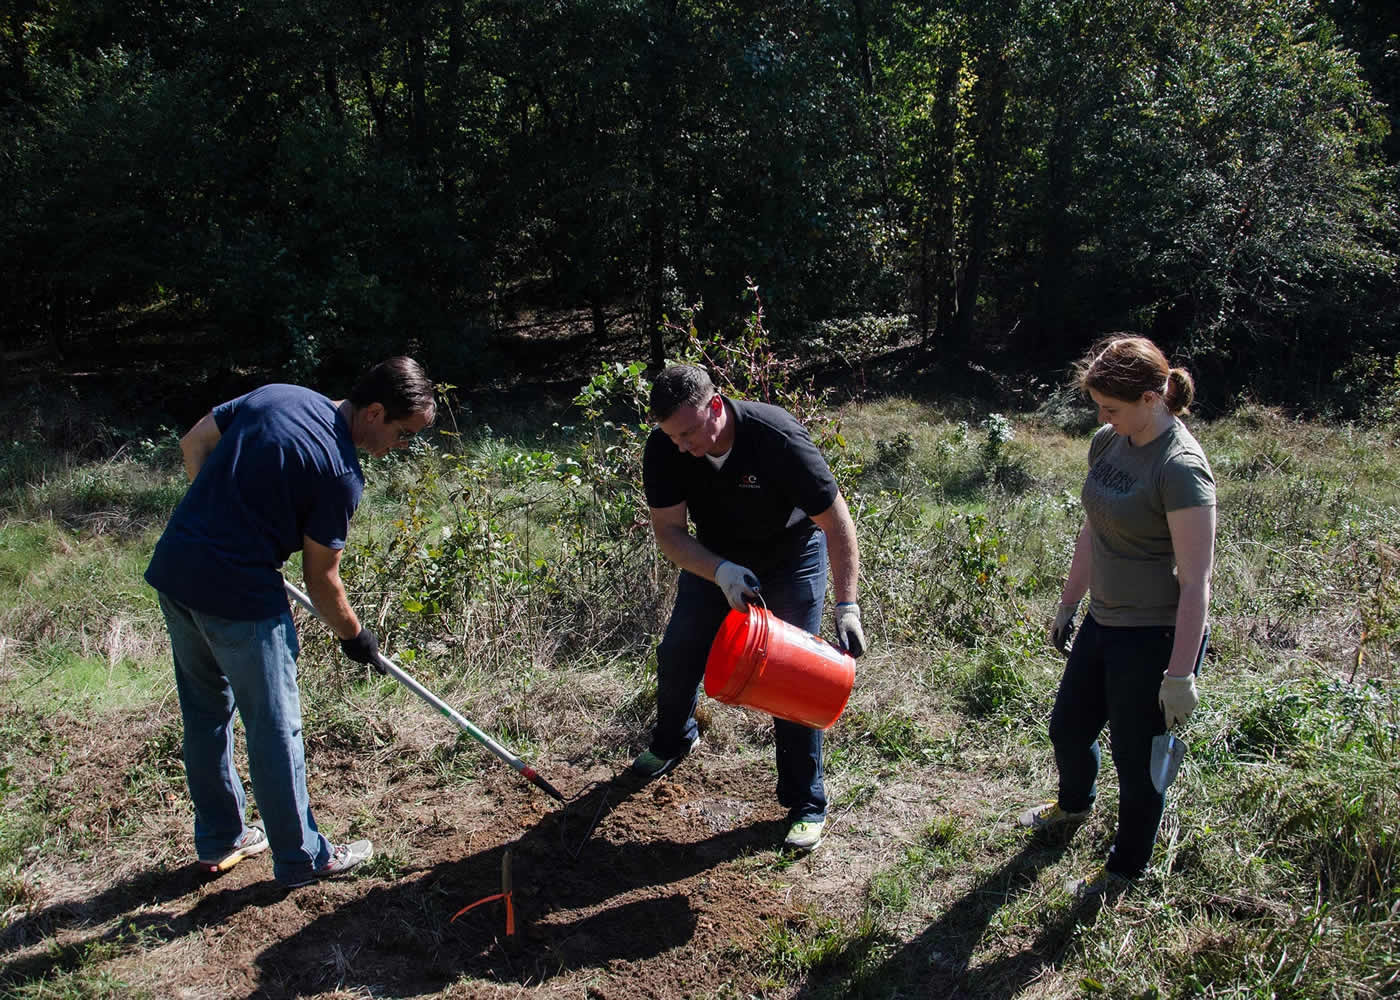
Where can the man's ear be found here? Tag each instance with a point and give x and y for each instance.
(374, 413)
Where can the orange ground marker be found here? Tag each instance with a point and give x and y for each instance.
(505, 894)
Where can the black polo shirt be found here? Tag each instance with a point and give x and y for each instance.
(741, 510)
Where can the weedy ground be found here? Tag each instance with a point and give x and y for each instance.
(513, 573)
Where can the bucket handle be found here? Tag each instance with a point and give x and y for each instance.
(758, 599)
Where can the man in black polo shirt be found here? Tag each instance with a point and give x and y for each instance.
(765, 508)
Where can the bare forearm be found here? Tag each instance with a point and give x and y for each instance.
(197, 444)
(327, 592)
(845, 572)
(1190, 626)
(1193, 542)
(683, 549)
(842, 550)
(1077, 582)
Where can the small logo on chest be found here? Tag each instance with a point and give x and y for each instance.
(749, 481)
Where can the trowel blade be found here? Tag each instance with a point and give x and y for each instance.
(1167, 753)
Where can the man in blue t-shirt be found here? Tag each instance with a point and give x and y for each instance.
(271, 472)
(765, 509)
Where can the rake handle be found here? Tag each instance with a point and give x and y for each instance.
(391, 668)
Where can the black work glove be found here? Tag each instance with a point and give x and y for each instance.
(364, 648)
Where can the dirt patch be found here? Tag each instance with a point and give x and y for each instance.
(671, 889)
(630, 891)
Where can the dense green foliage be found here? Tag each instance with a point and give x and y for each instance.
(321, 182)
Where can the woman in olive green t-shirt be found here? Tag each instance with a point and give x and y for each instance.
(1144, 556)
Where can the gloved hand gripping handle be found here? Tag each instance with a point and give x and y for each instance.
(388, 666)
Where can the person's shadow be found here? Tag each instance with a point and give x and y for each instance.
(402, 940)
(146, 889)
(937, 963)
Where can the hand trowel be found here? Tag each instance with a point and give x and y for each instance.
(1167, 753)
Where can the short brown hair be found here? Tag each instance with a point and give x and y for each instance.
(399, 385)
(677, 386)
(1125, 365)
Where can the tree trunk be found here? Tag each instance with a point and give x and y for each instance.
(659, 76)
(332, 85)
(447, 114)
(990, 155)
(867, 80)
(942, 192)
(376, 104)
(1057, 244)
(656, 247)
(417, 88)
(925, 281)
(600, 321)
(59, 320)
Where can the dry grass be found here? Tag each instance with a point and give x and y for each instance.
(924, 884)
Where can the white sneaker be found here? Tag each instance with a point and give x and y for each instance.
(342, 859)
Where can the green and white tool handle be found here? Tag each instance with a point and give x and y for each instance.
(395, 671)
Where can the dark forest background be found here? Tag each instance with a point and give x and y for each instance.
(297, 188)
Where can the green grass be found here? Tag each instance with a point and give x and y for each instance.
(531, 597)
(69, 679)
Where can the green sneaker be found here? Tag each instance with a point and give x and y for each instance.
(804, 835)
(650, 766)
(1103, 884)
(1048, 817)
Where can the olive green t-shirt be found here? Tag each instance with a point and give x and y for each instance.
(1127, 495)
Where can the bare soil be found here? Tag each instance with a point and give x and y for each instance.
(628, 891)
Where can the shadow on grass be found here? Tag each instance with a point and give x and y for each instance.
(145, 889)
(132, 933)
(938, 962)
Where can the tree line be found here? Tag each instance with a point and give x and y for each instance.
(1009, 179)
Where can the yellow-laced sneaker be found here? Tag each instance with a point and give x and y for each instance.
(1102, 883)
(1048, 817)
(250, 842)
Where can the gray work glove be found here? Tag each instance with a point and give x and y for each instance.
(849, 635)
(364, 648)
(738, 583)
(1063, 630)
(1178, 698)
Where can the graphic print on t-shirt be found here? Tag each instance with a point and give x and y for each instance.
(1127, 495)
(1112, 478)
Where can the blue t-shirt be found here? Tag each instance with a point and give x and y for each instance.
(284, 468)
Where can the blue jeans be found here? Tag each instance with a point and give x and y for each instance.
(1114, 675)
(221, 664)
(793, 586)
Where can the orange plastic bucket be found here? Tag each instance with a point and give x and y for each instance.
(760, 661)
